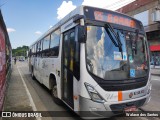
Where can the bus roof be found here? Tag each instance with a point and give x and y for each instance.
(91, 15)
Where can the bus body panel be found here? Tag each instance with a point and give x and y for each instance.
(39, 70)
(46, 71)
(76, 94)
(99, 110)
(46, 67)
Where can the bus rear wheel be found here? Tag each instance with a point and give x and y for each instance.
(55, 94)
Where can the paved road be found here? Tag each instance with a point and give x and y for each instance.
(43, 101)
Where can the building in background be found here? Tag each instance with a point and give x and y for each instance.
(148, 12)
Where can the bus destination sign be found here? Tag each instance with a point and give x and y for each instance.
(110, 17)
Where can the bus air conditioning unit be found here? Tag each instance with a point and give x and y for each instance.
(156, 15)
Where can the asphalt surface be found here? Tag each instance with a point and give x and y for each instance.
(40, 98)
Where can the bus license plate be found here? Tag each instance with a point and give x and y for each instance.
(130, 109)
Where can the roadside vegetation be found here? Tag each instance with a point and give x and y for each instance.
(20, 51)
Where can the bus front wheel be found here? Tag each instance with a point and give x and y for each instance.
(55, 94)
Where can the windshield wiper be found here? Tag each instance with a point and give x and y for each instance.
(111, 37)
(117, 43)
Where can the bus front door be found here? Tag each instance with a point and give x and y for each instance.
(67, 67)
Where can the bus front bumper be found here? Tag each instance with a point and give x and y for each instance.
(93, 110)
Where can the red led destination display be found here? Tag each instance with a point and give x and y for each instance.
(116, 19)
(110, 17)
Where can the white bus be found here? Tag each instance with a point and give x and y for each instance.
(94, 60)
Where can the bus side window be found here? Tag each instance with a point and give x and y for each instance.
(34, 50)
(54, 44)
(42, 53)
(46, 42)
(39, 49)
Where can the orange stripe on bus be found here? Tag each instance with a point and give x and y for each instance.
(119, 95)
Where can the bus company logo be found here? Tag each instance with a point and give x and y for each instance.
(131, 95)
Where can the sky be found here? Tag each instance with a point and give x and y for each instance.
(27, 20)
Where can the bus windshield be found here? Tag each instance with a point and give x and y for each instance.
(105, 60)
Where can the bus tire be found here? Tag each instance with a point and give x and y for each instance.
(32, 74)
(55, 93)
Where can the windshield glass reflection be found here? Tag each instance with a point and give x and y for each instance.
(106, 61)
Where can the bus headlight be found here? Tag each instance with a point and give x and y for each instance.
(95, 96)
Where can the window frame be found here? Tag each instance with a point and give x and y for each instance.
(59, 35)
(46, 51)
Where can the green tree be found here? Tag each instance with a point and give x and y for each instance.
(20, 51)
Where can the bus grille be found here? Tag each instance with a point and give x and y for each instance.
(121, 85)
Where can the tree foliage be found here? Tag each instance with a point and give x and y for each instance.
(20, 51)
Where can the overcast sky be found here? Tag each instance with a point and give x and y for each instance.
(27, 20)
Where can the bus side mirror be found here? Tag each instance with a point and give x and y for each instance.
(81, 34)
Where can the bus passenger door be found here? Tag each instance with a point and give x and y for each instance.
(67, 67)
